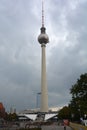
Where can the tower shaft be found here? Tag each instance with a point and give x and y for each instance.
(44, 93)
(43, 39)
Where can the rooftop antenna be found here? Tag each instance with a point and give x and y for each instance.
(42, 13)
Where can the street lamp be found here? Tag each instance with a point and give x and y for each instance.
(37, 99)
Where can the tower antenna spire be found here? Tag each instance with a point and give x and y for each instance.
(42, 13)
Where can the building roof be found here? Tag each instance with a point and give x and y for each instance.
(48, 116)
(31, 116)
(34, 116)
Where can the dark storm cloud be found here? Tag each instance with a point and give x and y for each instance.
(18, 58)
(20, 52)
(68, 57)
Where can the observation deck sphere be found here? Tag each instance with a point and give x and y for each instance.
(43, 38)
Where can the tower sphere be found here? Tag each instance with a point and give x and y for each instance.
(43, 37)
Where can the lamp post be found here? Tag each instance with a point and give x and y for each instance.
(37, 99)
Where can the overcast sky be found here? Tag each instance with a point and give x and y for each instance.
(20, 52)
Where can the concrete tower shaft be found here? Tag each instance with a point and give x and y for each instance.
(44, 92)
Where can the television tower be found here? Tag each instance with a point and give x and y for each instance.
(43, 39)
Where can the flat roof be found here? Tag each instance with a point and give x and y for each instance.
(48, 116)
(31, 116)
(34, 116)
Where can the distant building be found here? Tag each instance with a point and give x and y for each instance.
(51, 109)
(12, 110)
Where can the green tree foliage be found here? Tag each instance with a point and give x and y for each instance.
(64, 113)
(78, 103)
(12, 117)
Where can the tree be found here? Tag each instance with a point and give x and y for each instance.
(78, 103)
(2, 111)
(11, 117)
(64, 113)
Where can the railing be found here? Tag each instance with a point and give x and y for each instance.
(77, 126)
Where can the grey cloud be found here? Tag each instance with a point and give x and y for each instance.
(68, 58)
